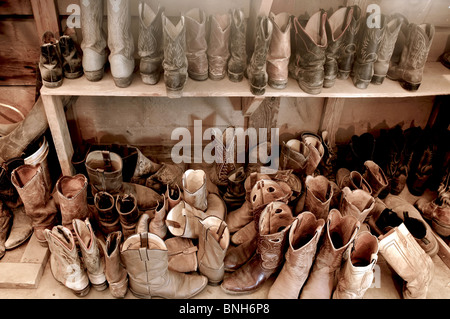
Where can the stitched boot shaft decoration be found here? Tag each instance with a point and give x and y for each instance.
(219, 45)
(319, 193)
(237, 64)
(196, 44)
(71, 58)
(115, 273)
(295, 155)
(50, 61)
(347, 52)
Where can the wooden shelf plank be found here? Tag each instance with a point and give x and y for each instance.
(436, 81)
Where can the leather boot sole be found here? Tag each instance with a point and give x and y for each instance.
(123, 82)
(151, 78)
(94, 76)
(52, 85)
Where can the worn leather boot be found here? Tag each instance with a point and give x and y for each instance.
(106, 213)
(311, 43)
(21, 229)
(120, 42)
(237, 256)
(94, 40)
(175, 62)
(93, 260)
(195, 192)
(316, 151)
(36, 197)
(353, 180)
(304, 235)
(50, 61)
(65, 263)
(319, 193)
(336, 26)
(408, 260)
(182, 254)
(295, 156)
(356, 275)
(115, 273)
(357, 203)
(219, 45)
(366, 53)
(126, 206)
(376, 177)
(279, 50)
(71, 58)
(213, 243)
(340, 233)
(257, 66)
(6, 219)
(386, 49)
(410, 68)
(150, 43)
(347, 52)
(237, 64)
(72, 197)
(173, 196)
(196, 44)
(8, 193)
(157, 224)
(145, 257)
(273, 226)
(234, 196)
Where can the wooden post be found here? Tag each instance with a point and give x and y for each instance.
(46, 17)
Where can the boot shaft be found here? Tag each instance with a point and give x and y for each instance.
(120, 38)
(115, 273)
(238, 52)
(72, 195)
(94, 38)
(150, 38)
(71, 58)
(194, 189)
(319, 193)
(104, 170)
(196, 44)
(348, 49)
(357, 203)
(127, 207)
(50, 61)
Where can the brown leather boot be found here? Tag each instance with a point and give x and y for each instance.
(38, 202)
(194, 189)
(234, 196)
(157, 224)
(319, 193)
(357, 203)
(353, 180)
(6, 219)
(219, 45)
(173, 196)
(126, 206)
(340, 233)
(106, 214)
(376, 177)
(316, 151)
(115, 273)
(295, 155)
(238, 54)
(348, 49)
(145, 257)
(196, 44)
(182, 254)
(303, 238)
(237, 256)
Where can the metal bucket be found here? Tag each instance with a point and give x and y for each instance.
(40, 157)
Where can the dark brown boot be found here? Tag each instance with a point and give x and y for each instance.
(50, 62)
(126, 206)
(348, 49)
(238, 54)
(6, 219)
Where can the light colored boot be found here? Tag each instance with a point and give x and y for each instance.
(195, 192)
(157, 224)
(196, 44)
(279, 50)
(219, 45)
(115, 273)
(238, 54)
(319, 194)
(357, 203)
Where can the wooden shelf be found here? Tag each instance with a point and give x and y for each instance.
(436, 81)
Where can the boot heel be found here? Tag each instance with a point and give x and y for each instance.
(377, 79)
(94, 76)
(52, 85)
(409, 86)
(83, 292)
(440, 229)
(150, 79)
(257, 90)
(123, 82)
(235, 77)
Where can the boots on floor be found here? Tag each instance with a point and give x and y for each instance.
(195, 192)
(353, 180)
(173, 196)
(316, 151)
(196, 44)
(182, 254)
(71, 58)
(50, 61)
(348, 49)
(107, 216)
(145, 257)
(8, 193)
(303, 238)
(357, 203)
(319, 194)
(295, 155)
(157, 224)
(234, 196)
(115, 273)
(219, 45)
(376, 177)
(237, 64)
(6, 220)
(126, 206)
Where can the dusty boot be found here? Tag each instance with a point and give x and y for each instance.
(195, 192)
(310, 45)
(234, 196)
(106, 213)
(143, 223)
(303, 238)
(410, 68)
(336, 26)
(386, 49)
(257, 67)
(353, 180)
(65, 263)
(376, 177)
(196, 44)
(340, 233)
(274, 223)
(219, 45)
(238, 54)
(145, 257)
(72, 196)
(175, 62)
(366, 53)
(104, 170)
(182, 254)
(316, 151)
(173, 196)
(21, 229)
(279, 50)
(137, 165)
(94, 40)
(213, 243)
(357, 203)
(348, 49)
(328, 166)
(409, 261)
(90, 252)
(225, 157)
(115, 273)
(8, 193)
(50, 61)
(356, 273)
(157, 224)
(150, 43)
(120, 42)
(319, 193)
(295, 155)
(126, 206)
(36, 197)
(6, 219)
(71, 58)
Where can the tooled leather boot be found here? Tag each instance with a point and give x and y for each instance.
(115, 273)
(126, 206)
(304, 235)
(348, 49)
(273, 226)
(279, 50)
(340, 233)
(71, 58)
(50, 61)
(150, 43)
(219, 45)
(106, 214)
(295, 155)
(237, 63)
(145, 257)
(196, 44)
(357, 203)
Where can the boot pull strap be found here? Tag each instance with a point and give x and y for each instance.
(221, 229)
(106, 158)
(144, 245)
(186, 251)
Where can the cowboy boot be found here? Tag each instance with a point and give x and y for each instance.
(94, 40)
(340, 233)
(410, 68)
(157, 225)
(182, 254)
(38, 202)
(196, 44)
(401, 39)
(8, 193)
(175, 62)
(328, 166)
(303, 238)
(386, 49)
(376, 177)
(295, 155)
(362, 148)
(408, 260)
(50, 61)
(213, 243)
(21, 229)
(316, 151)
(106, 214)
(347, 52)
(115, 273)
(279, 52)
(90, 252)
(150, 46)
(173, 196)
(357, 203)
(145, 257)
(195, 192)
(273, 226)
(257, 66)
(120, 42)
(226, 155)
(237, 256)
(6, 219)
(353, 180)
(126, 206)
(237, 64)
(71, 58)
(234, 196)
(65, 262)
(356, 275)
(336, 27)
(310, 45)
(319, 193)
(219, 45)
